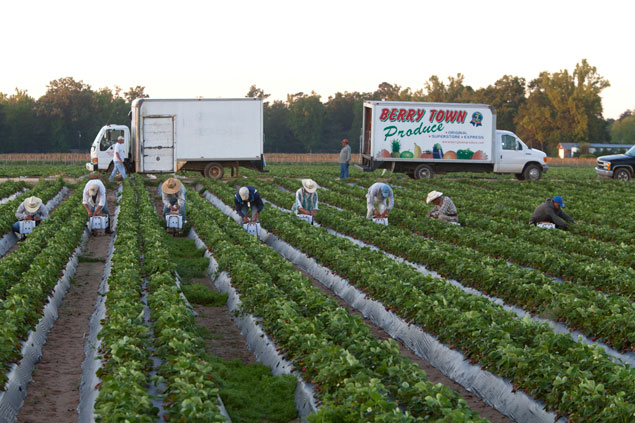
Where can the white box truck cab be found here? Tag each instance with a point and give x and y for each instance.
(421, 139)
(168, 135)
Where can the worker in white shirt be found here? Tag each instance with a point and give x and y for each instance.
(379, 200)
(94, 199)
(31, 208)
(117, 159)
(173, 197)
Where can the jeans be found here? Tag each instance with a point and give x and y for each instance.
(16, 225)
(343, 170)
(118, 166)
(166, 210)
(244, 210)
(104, 209)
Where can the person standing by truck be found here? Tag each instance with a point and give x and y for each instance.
(306, 198)
(117, 160)
(551, 211)
(173, 197)
(345, 159)
(379, 200)
(245, 199)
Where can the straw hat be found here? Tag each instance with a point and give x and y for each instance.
(93, 189)
(244, 193)
(309, 185)
(433, 195)
(171, 186)
(32, 204)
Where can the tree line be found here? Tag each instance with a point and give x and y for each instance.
(552, 108)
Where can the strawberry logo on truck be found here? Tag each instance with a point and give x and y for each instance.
(437, 119)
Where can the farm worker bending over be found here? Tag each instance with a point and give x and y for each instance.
(247, 198)
(379, 200)
(94, 199)
(306, 198)
(30, 209)
(173, 196)
(551, 211)
(117, 159)
(444, 209)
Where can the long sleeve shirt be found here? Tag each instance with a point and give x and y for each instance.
(305, 200)
(253, 201)
(345, 154)
(100, 199)
(375, 195)
(546, 212)
(178, 196)
(22, 213)
(446, 207)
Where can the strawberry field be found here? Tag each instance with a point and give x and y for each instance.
(535, 325)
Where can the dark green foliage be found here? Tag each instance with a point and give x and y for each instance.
(200, 294)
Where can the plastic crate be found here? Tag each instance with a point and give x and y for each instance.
(546, 225)
(252, 228)
(27, 226)
(174, 221)
(381, 220)
(306, 217)
(98, 223)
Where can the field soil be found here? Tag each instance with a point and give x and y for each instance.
(53, 394)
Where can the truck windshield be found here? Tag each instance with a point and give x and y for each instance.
(631, 152)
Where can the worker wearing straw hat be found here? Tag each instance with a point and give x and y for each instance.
(379, 200)
(173, 197)
(444, 209)
(94, 199)
(306, 198)
(245, 199)
(31, 208)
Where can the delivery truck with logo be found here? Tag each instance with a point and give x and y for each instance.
(167, 135)
(421, 139)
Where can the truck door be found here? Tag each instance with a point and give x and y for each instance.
(105, 150)
(511, 155)
(158, 144)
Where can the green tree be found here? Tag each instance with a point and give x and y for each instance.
(306, 120)
(563, 107)
(22, 132)
(257, 93)
(507, 95)
(134, 93)
(454, 92)
(278, 136)
(623, 129)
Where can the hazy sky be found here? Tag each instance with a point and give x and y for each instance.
(186, 48)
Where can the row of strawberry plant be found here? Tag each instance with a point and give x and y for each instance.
(191, 393)
(9, 188)
(14, 264)
(600, 275)
(575, 379)
(608, 319)
(357, 376)
(514, 203)
(45, 190)
(124, 351)
(22, 308)
(35, 169)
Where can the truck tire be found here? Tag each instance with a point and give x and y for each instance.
(424, 171)
(622, 174)
(532, 172)
(214, 170)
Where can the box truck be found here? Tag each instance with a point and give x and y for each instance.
(167, 135)
(421, 139)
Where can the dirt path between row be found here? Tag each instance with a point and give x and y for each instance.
(53, 394)
(226, 341)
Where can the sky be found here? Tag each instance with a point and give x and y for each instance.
(188, 48)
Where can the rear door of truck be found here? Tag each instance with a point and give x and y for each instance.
(158, 143)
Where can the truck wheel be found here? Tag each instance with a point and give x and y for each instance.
(519, 176)
(214, 170)
(622, 175)
(532, 172)
(424, 171)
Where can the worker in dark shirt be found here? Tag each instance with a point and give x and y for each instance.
(247, 198)
(551, 211)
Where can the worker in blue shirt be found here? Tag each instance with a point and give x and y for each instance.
(247, 198)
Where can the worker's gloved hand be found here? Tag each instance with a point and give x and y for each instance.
(245, 219)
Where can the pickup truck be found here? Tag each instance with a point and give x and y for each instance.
(617, 166)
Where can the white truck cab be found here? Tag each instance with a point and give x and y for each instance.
(514, 156)
(102, 150)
